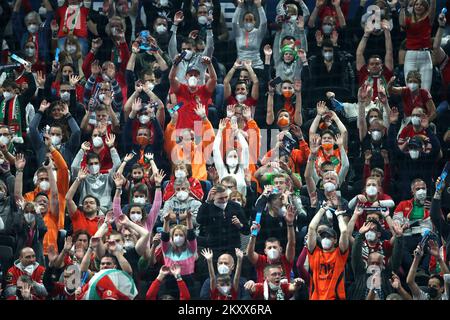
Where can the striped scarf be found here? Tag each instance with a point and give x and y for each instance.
(14, 116)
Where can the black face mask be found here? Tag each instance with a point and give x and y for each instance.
(433, 292)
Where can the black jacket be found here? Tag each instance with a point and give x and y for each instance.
(215, 226)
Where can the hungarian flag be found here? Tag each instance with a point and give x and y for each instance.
(110, 284)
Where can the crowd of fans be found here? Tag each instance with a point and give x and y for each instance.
(298, 152)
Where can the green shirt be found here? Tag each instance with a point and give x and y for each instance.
(417, 212)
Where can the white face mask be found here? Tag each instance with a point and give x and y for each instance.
(55, 140)
(29, 218)
(65, 96)
(328, 56)
(178, 240)
(182, 195)
(241, 97)
(421, 194)
(29, 52)
(273, 254)
(371, 236)
(220, 205)
(180, 174)
(164, 3)
(144, 119)
(326, 243)
(326, 28)
(371, 190)
(248, 26)
(136, 217)
(376, 135)
(413, 86)
(139, 200)
(101, 96)
(160, 29)
(44, 185)
(32, 28)
(293, 19)
(232, 162)
(188, 55)
(192, 81)
(119, 247)
(151, 86)
(4, 140)
(223, 269)
(7, 95)
(414, 154)
(372, 119)
(410, 10)
(97, 142)
(87, 4)
(202, 20)
(61, 3)
(71, 49)
(225, 290)
(128, 245)
(329, 187)
(94, 169)
(415, 120)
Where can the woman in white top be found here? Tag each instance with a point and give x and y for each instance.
(232, 166)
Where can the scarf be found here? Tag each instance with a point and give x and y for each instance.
(280, 293)
(13, 118)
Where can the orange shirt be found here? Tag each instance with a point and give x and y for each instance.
(81, 222)
(327, 274)
(52, 222)
(199, 153)
(335, 158)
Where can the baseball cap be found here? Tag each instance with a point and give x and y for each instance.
(328, 232)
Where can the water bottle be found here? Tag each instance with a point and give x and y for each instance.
(257, 221)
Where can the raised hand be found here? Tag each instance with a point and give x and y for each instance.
(239, 253)
(298, 86)
(137, 105)
(362, 198)
(223, 124)
(365, 227)
(20, 204)
(158, 177)
(418, 252)
(207, 253)
(179, 17)
(206, 60)
(128, 157)
(334, 37)
(237, 64)
(52, 254)
(96, 43)
(20, 161)
(110, 139)
(247, 64)
(138, 86)
(44, 105)
(40, 79)
(339, 139)
(301, 22)
(74, 79)
(193, 34)
(119, 179)
(156, 240)
(296, 130)
(95, 68)
(249, 285)
(164, 271)
(364, 92)
(395, 281)
(321, 108)
(290, 214)
(200, 110)
(267, 50)
(319, 37)
(68, 243)
(385, 25)
(336, 3)
(86, 146)
(83, 173)
(434, 248)
(247, 113)
(442, 20)
(230, 110)
(26, 291)
(314, 143)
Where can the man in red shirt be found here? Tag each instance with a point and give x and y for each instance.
(192, 94)
(273, 249)
(24, 289)
(25, 265)
(374, 72)
(272, 288)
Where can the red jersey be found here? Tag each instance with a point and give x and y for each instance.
(72, 18)
(186, 114)
(411, 101)
(363, 76)
(263, 262)
(59, 291)
(15, 272)
(418, 34)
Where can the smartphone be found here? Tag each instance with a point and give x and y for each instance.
(273, 83)
(57, 55)
(258, 221)
(19, 59)
(443, 176)
(176, 107)
(180, 57)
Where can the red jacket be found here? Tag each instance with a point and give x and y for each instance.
(16, 271)
(405, 207)
(195, 189)
(152, 292)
